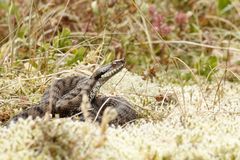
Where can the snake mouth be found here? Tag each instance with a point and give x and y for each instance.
(106, 72)
(112, 71)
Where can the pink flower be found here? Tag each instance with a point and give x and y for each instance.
(152, 10)
(165, 30)
(156, 27)
(181, 18)
(157, 21)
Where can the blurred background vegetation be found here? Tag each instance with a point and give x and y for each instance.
(180, 37)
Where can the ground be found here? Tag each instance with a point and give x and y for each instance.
(203, 125)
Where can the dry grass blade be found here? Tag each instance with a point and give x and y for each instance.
(85, 107)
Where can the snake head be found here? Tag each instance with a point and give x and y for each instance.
(104, 73)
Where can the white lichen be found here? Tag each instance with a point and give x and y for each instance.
(204, 125)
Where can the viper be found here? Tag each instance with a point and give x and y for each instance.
(64, 97)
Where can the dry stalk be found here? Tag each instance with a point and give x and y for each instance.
(109, 114)
(85, 107)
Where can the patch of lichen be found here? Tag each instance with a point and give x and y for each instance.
(204, 125)
(64, 138)
(42, 139)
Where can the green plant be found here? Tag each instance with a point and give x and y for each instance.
(206, 66)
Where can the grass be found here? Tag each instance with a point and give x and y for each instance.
(186, 49)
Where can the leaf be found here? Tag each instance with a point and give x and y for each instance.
(223, 4)
(94, 7)
(33, 63)
(21, 32)
(212, 61)
(109, 57)
(205, 66)
(65, 32)
(63, 41)
(194, 28)
(78, 56)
